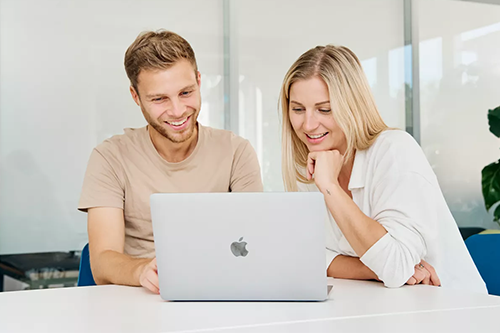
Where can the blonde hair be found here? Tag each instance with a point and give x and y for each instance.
(352, 104)
(156, 50)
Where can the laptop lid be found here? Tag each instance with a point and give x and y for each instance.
(240, 246)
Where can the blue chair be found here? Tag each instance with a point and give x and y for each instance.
(85, 277)
(485, 251)
(466, 232)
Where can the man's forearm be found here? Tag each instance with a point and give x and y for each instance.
(345, 267)
(117, 268)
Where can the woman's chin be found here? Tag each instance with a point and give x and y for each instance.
(317, 148)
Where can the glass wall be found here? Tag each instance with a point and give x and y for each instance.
(459, 82)
(63, 89)
(273, 34)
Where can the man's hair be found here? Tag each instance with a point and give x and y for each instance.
(154, 51)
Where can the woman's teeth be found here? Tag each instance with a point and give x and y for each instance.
(317, 136)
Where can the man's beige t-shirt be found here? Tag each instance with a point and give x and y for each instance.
(125, 170)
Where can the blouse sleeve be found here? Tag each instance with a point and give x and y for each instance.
(404, 203)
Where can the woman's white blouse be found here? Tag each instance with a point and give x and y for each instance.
(393, 183)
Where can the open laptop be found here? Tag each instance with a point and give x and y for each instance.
(240, 246)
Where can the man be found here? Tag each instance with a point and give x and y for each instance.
(172, 154)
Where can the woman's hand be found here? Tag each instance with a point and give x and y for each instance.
(424, 274)
(325, 166)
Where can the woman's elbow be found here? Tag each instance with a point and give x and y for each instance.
(394, 282)
(396, 277)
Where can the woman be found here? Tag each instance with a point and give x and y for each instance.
(388, 218)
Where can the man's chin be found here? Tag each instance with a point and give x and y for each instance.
(179, 137)
(172, 135)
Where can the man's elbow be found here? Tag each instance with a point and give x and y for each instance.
(98, 274)
(99, 279)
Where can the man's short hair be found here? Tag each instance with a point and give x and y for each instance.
(156, 50)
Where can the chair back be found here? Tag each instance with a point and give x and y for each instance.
(485, 251)
(85, 277)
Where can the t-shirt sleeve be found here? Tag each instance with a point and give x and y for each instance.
(101, 186)
(245, 173)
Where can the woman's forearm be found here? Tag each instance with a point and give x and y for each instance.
(360, 231)
(345, 267)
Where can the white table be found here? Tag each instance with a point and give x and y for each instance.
(354, 306)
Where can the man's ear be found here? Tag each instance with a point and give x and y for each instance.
(198, 78)
(135, 95)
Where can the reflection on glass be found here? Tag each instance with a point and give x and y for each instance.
(459, 81)
(266, 50)
(370, 69)
(63, 90)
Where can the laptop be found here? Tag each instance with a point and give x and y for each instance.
(240, 246)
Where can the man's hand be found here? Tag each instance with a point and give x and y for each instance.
(149, 277)
(424, 274)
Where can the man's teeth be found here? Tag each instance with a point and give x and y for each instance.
(177, 123)
(316, 136)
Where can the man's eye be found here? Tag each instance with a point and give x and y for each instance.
(185, 93)
(157, 99)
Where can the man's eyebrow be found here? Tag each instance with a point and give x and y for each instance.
(155, 95)
(190, 87)
(193, 86)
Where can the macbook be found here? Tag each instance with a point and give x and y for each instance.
(240, 246)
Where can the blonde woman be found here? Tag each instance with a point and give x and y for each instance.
(388, 219)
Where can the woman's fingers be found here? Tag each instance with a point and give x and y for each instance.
(419, 275)
(311, 158)
(411, 281)
(427, 278)
(424, 274)
(434, 277)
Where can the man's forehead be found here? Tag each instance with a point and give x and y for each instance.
(165, 82)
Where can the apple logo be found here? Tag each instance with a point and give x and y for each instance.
(239, 248)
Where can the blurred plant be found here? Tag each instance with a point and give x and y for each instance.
(491, 173)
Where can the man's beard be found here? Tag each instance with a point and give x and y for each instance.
(186, 134)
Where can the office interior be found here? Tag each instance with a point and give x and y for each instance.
(433, 67)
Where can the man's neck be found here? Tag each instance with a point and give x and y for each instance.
(170, 151)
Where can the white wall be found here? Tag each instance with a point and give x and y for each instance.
(459, 82)
(63, 90)
(273, 34)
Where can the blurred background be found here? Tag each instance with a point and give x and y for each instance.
(433, 66)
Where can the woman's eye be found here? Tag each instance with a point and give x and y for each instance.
(297, 109)
(325, 110)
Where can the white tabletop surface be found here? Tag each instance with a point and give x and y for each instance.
(477, 320)
(353, 306)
